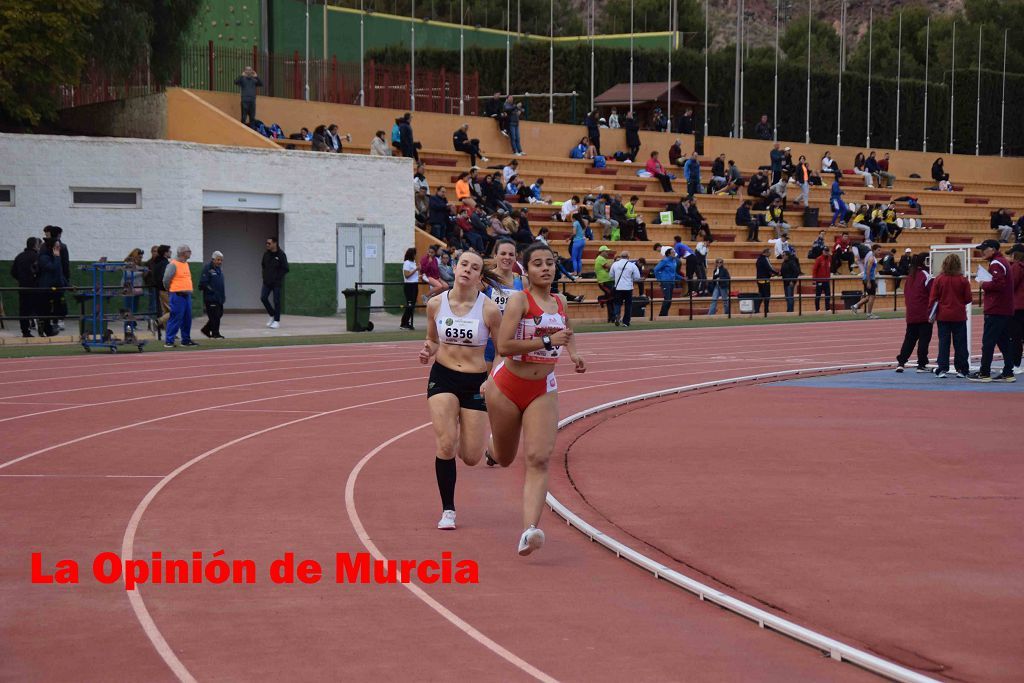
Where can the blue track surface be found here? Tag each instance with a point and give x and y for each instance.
(908, 381)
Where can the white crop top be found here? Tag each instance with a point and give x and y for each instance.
(467, 330)
(535, 324)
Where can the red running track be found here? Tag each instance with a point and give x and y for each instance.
(250, 451)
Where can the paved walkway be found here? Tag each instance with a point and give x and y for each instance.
(232, 326)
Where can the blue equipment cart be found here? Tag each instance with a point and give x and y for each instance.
(99, 306)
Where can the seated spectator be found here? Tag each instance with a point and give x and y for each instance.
(1002, 223)
(617, 212)
(536, 193)
(655, 168)
(757, 189)
(885, 179)
(778, 190)
(421, 203)
(462, 143)
(829, 165)
(773, 216)
(568, 208)
(889, 217)
(523, 234)
(859, 221)
(675, 154)
(879, 228)
(320, 139)
(419, 178)
(637, 224)
(542, 235)
(718, 177)
(602, 216)
(379, 146)
(860, 168)
(782, 246)
(334, 140)
(735, 179)
(495, 109)
(696, 222)
(939, 171)
(746, 219)
(510, 169)
(462, 192)
(580, 150)
(841, 252)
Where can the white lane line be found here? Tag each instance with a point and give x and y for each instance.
(149, 626)
(836, 649)
(82, 476)
(259, 410)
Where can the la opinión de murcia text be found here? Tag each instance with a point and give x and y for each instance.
(111, 568)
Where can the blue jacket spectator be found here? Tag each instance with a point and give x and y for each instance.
(211, 282)
(666, 271)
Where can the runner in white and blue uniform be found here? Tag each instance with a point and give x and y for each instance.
(504, 262)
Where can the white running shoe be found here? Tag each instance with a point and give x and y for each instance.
(853, 308)
(532, 539)
(447, 520)
(1018, 370)
(900, 368)
(274, 325)
(270, 322)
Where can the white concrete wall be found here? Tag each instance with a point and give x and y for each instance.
(319, 191)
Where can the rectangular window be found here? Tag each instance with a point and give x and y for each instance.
(6, 195)
(105, 197)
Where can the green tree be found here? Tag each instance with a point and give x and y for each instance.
(32, 62)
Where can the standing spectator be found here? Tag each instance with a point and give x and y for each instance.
(156, 273)
(25, 271)
(513, 111)
(632, 128)
(579, 240)
(593, 129)
(1017, 324)
(950, 295)
(655, 168)
(602, 273)
(438, 214)
(939, 171)
(802, 175)
(613, 118)
(763, 129)
(869, 275)
(700, 248)
(667, 274)
(57, 232)
(790, 277)
(462, 143)
(764, 272)
(721, 283)
(916, 294)
(379, 146)
(822, 274)
(835, 199)
(998, 299)
(885, 178)
(495, 109)
(410, 287)
(51, 279)
(132, 286)
(686, 122)
(777, 156)
(625, 275)
(410, 148)
(274, 267)
(396, 135)
(248, 82)
(691, 171)
(178, 281)
(211, 284)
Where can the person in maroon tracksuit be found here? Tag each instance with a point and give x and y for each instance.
(952, 292)
(998, 313)
(919, 328)
(1017, 324)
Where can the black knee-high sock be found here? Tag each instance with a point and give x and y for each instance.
(445, 470)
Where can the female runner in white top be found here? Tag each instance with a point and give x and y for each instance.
(522, 391)
(459, 323)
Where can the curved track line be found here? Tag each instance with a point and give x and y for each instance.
(836, 649)
(128, 540)
(458, 622)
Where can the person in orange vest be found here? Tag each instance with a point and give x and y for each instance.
(178, 282)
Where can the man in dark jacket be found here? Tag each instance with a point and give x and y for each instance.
(777, 156)
(745, 218)
(593, 130)
(763, 129)
(248, 82)
(275, 267)
(721, 281)
(406, 141)
(25, 271)
(462, 143)
(161, 302)
(438, 214)
(51, 277)
(757, 189)
(998, 298)
(632, 128)
(495, 109)
(211, 282)
(56, 232)
(764, 274)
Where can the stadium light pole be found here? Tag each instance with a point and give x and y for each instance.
(508, 45)
(631, 55)
(977, 105)
(899, 65)
(305, 77)
(462, 57)
(743, 57)
(736, 76)
(671, 26)
(362, 51)
(871, 18)
(807, 125)
(839, 104)
(706, 3)
(412, 56)
(927, 45)
(952, 84)
(1002, 114)
(591, 26)
(775, 106)
(551, 61)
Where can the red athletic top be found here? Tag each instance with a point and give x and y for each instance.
(535, 324)
(953, 293)
(1017, 271)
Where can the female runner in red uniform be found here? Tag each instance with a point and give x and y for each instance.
(459, 323)
(521, 392)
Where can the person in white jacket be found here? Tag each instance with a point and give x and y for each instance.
(379, 147)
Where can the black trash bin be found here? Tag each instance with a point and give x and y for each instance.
(811, 217)
(357, 310)
(745, 301)
(640, 304)
(850, 297)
